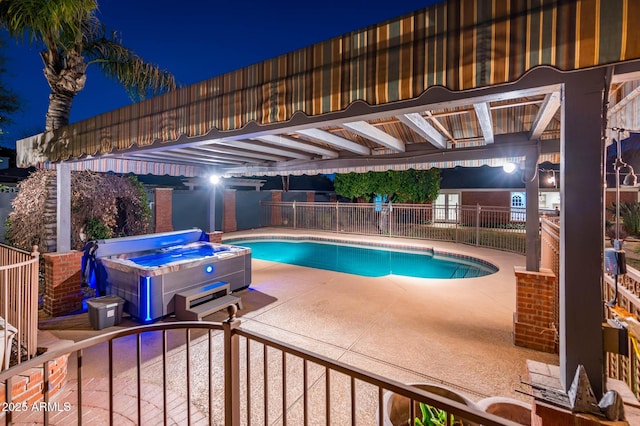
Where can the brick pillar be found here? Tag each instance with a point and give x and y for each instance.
(215, 237)
(311, 197)
(62, 292)
(229, 223)
(534, 317)
(162, 209)
(276, 211)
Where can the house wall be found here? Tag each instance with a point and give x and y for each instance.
(627, 195)
(500, 198)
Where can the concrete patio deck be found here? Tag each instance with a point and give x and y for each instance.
(458, 332)
(454, 332)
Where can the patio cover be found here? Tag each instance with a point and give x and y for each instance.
(368, 95)
(463, 82)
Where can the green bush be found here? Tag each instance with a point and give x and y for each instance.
(97, 230)
(103, 205)
(417, 186)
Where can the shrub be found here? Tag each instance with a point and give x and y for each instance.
(103, 205)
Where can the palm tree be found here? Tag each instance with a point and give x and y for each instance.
(72, 39)
(9, 102)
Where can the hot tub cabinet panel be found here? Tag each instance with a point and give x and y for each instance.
(149, 279)
(149, 294)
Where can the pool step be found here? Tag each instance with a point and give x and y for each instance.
(199, 302)
(461, 272)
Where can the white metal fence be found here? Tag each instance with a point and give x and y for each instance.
(496, 227)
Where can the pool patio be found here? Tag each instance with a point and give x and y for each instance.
(454, 332)
(458, 332)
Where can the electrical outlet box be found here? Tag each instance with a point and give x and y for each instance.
(615, 262)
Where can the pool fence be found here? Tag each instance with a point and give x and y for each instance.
(500, 228)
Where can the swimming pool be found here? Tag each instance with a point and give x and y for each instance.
(366, 261)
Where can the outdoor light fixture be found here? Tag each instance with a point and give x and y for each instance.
(509, 167)
(630, 179)
(551, 179)
(214, 179)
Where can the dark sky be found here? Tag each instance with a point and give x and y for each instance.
(195, 40)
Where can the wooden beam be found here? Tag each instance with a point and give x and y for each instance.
(216, 150)
(289, 142)
(335, 141)
(418, 124)
(546, 113)
(252, 146)
(486, 122)
(370, 132)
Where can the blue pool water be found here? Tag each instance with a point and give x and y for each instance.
(364, 261)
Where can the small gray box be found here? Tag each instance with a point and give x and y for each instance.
(105, 311)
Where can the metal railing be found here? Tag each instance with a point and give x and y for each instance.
(18, 302)
(625, 367)
(226, 374)
(495, 227)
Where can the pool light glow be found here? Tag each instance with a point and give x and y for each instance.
(148, 297)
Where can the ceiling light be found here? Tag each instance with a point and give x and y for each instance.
(509, 167)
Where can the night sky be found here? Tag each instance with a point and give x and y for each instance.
(195, 40)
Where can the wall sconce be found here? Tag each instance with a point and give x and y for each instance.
(630, 179)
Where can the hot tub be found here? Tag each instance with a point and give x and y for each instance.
(148, 270)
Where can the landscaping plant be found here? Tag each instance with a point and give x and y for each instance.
(103, 205)
(432, 416)
(417, 186)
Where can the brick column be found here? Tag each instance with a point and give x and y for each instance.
(62, 292)
(28, 387)
(215, 237)
(229, 223)
(162, 209)
(276, 211)
(311, 197)
(534, 317)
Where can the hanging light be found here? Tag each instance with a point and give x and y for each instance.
(552, 179)
(630, 179)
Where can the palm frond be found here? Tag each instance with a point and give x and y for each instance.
(124, 65)
(43, 21)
